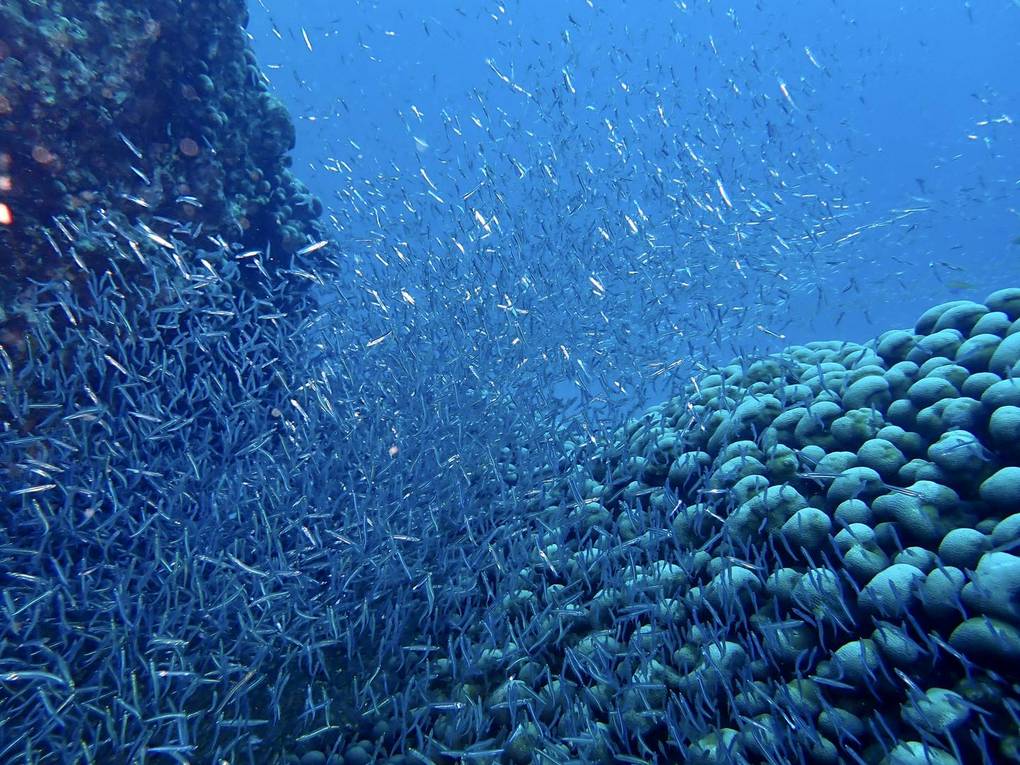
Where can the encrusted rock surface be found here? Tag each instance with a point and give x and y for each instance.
(144, 111)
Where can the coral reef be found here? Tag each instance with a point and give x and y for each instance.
(150, 111)
(811, 557)
(212, 553)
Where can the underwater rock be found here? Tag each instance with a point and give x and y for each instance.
(860, 547)
(145, 110)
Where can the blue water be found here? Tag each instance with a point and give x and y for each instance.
(890, 118)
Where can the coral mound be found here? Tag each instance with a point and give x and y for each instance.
(148, 111)
(811, 557)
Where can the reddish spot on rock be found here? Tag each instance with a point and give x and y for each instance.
(42, 155)
(188, 147)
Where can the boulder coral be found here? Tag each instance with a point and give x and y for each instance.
(826, 569)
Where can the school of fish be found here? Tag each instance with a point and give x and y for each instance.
(319, 512)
